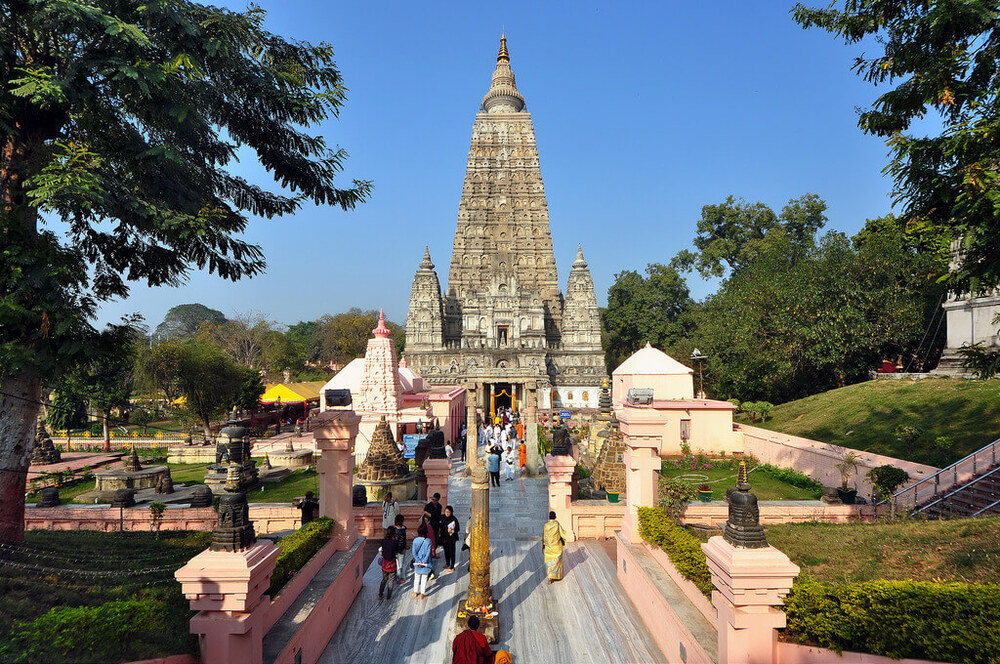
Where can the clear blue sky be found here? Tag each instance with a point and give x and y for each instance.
(643, 114)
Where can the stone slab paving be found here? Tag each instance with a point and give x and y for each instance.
(586, 617)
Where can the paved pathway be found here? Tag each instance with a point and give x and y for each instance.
(583, 618)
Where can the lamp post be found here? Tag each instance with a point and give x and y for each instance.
(696, 356)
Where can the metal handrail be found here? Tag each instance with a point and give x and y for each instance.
(953, 468)
(958, 490)
(990, 506)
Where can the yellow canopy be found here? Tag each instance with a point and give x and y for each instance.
(292, 392)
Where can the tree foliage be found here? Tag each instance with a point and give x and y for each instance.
(345, 336)
(212, 384)
(185, 319)
(939, 58)
(644, 309)
(732, 234)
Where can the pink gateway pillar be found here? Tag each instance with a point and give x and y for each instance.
(560, 470)
(335, 431)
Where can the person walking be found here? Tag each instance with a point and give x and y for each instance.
(449, 537)
(432, 511)
(387, 553)
(553, 541)
(390, 508)
(494, 467)
(422, 565)
(520, 430)
(308, 506)
(508, 465)
(522, 456)
(400, 548)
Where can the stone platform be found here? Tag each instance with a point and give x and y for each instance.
(191, 454)
(291, 460)
(109, 481)
(75, 461)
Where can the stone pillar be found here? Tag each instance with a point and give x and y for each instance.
(480, 594)
(642, 466)
(535, 462)
(227, 589)
(334, 435)
(561, 470)
(436, 472)
(750, 586)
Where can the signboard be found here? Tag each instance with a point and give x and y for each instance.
(410, 441)
(565, 414)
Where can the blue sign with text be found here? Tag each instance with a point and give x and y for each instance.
(565, 414)
(410, 441)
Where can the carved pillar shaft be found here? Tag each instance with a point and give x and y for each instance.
(479, 540)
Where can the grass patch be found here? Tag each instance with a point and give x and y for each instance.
(722, 476)
(966, 550)
(54, 569)
(293, 486)
(866, 416)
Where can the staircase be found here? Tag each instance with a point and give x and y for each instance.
(969, 487)
(980, 495)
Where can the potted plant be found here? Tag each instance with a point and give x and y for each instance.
(705, 493)
(849, 462)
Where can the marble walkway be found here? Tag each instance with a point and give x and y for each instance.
(584, 618)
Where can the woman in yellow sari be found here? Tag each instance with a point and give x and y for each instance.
(553, 539)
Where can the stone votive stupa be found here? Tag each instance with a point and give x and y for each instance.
(232, 448)
(384, 468)
(44, 452)
(609, 471)
(132, 475)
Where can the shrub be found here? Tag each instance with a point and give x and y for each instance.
(103, 632)
(948, 622)
(908, 433)
(674, 496)
(583, 472)
(683, 548)
(297, 549)
(793, 477)
(886, 479)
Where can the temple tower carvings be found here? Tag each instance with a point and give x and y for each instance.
(503, 318)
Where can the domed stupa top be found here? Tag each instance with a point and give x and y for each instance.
(503, 96)
(580, 262)
(426, 263)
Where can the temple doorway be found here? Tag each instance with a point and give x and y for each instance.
(503, 396)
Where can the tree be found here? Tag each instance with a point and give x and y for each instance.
(306, 335)
(781, 331)
(185, 319)
(121, 119)
(733, 233)
(242, 338)
(644, 309)
(939, 58)
(159, 366)
(345, 336)
(212, 384)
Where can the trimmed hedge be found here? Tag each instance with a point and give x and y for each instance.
(790, 476)
(297, 549)
(683, 548)
(951, 622)
(99, 633)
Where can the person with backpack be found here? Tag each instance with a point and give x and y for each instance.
(387, 556)
(400, 548)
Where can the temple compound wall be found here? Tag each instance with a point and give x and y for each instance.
(502, 321)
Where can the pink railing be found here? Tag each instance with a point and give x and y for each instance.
(933, 487)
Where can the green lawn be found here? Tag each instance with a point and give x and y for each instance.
(965, 550)
(865, 417)
(294, 486)
(137, 566)
(721, 477)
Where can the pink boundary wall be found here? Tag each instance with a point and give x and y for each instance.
(818, 460)
(311, 639)
(291, 590)
(267, 518)
(664, 625)
(793, 653)
(702, 603)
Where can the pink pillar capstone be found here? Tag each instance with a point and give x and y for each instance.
(560, 470)
(750, 586)
(227, 589)
(437, 472)
(335, 431)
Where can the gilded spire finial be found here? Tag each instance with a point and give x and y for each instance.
(503, 55)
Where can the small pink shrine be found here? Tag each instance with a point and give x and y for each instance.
(383, 387)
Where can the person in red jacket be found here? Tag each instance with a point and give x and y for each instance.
(471, 647)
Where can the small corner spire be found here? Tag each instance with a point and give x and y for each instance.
(580, 262)
(426, 263)
(381, 331)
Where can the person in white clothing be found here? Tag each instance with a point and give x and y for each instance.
(509, 464)
(390, 508)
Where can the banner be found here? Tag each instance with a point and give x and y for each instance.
(410, 441)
